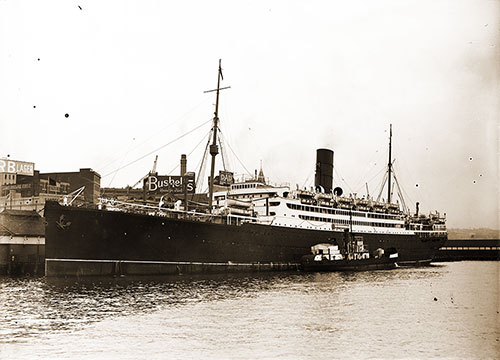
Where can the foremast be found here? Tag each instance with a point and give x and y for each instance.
(214, 149)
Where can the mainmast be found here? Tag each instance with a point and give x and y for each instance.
(214, 149)
(389, 167)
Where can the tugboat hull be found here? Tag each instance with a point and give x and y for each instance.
(385, 263)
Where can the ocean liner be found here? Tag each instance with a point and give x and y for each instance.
(247, 226)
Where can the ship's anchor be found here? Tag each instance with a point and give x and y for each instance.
(62, 223)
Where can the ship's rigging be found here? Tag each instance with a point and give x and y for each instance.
(388, 176)
(216, 143)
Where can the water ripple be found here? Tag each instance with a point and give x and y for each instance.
(450, 310)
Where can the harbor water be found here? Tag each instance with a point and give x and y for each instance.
(447, 310)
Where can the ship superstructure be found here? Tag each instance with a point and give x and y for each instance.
(318, 211)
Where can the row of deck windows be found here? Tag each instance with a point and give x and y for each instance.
(346, 222)
(250, 196)
(337, 211)
(243, 186)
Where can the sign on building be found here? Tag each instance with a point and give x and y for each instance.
(17, 167)
(226, 178)
(169, 184)
(16, 187)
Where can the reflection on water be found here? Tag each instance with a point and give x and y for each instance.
(34, 306)
(446, 310)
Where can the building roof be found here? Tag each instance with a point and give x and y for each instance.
(21, 223)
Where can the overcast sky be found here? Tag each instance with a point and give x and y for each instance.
(303, 75)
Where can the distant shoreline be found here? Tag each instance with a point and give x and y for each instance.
(480, 233)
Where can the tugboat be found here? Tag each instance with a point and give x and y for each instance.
(353, 257)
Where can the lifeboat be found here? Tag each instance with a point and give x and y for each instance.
(238, 203)
(239, 211)
(344, 200)
(325, 203)
(321, 196)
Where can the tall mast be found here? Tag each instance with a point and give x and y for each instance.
(389, 166)
(214, 150)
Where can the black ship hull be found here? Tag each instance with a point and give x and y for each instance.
(85, 236)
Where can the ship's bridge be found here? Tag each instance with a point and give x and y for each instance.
(251, 190)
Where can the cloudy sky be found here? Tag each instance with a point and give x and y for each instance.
(130, 75)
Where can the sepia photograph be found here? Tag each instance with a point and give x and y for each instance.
(279, 179)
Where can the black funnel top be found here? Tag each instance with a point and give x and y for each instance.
(324, 170)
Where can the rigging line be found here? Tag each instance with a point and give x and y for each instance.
(156, 133)
(365, 172)
(222, 154)
(405, 170)
(116, 172)
(404, 192)
(373, 177)
(225, 155)
(308, 176)
(202, 164)
(271, 171)
(196, 146)
(201, 172)
(401, 197)
(230, 148)
(221, 150)
(161, 147)
(384, 180)
(202, 169)
(202, 158)
(342, 178)
(408, 197)
(458, 172)
(396, 180)
(6, 228)
(400, 193)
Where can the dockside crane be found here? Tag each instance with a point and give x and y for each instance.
(151, 172)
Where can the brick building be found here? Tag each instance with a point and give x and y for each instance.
(85, 177)
(24, 188)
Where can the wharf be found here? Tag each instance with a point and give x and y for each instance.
(469, 249)
(22, 243)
